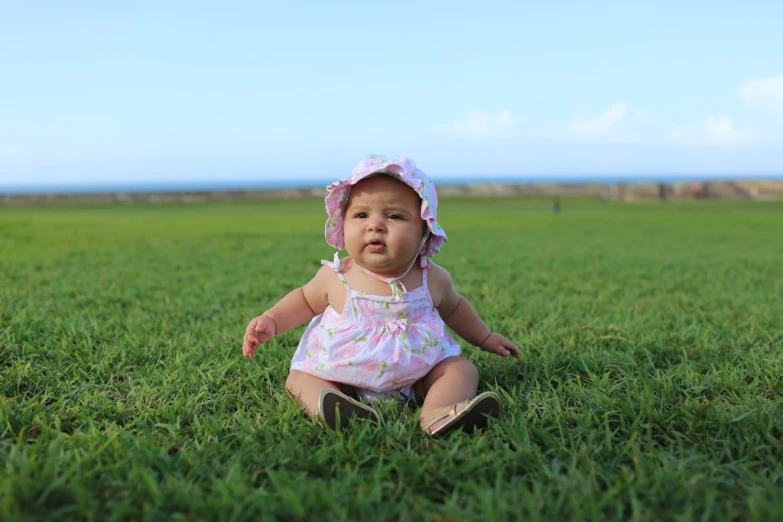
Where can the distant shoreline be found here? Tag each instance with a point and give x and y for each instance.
(159, 187)
(761, 189)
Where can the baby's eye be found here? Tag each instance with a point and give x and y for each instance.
(395, 216)
(360, 215)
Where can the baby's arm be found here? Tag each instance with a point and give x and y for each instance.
(296, 308)
(460, 316)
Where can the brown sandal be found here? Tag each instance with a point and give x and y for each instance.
(473, 415)
(336, 409)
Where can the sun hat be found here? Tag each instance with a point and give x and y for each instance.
(402, 169)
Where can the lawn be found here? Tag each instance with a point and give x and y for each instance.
(650, 386)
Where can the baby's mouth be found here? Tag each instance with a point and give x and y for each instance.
(375, 245)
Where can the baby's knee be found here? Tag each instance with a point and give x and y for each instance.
(469, 369)
(461, 366)
(292, 381)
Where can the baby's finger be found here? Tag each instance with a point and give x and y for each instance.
(509, 347)
(512, 348)
(249, 345)
(498, 349)
(247, 350)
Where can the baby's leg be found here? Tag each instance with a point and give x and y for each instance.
(307, 388)
(451, 381)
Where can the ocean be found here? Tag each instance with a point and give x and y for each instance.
(279, 184)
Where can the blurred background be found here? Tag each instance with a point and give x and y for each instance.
(238, 95)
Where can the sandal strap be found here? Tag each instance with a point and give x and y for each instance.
(452, 412)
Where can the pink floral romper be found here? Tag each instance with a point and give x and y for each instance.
(381, 345)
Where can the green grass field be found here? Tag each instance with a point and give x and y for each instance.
(650, 386)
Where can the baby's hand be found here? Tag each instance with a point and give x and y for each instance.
(498, 344)
(259, 331)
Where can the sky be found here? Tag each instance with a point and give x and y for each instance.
(186, 91)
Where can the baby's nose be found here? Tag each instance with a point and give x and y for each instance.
(375, 224)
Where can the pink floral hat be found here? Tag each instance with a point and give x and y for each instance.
(402, 169)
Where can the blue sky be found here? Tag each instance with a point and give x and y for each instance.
(96, 91)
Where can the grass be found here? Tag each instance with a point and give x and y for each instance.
(650, 386)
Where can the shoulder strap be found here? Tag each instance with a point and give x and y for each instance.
(337, 266)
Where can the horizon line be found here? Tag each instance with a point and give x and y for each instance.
(214, 185)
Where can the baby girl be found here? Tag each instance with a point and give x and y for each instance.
(378, 316)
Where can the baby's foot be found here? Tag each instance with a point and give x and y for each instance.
(469, 415)
(336, 409)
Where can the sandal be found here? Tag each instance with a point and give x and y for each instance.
(469, 415)
(335, 409)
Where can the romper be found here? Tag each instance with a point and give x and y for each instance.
(380, 345)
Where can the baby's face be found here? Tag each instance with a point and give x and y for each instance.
(383, 226)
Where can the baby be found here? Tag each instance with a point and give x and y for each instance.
(378, 316)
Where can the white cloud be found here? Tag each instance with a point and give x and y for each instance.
(481, 124)
(722, 130)
(609, 125)
(712, 130)
(641, 116)
(764, 93)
